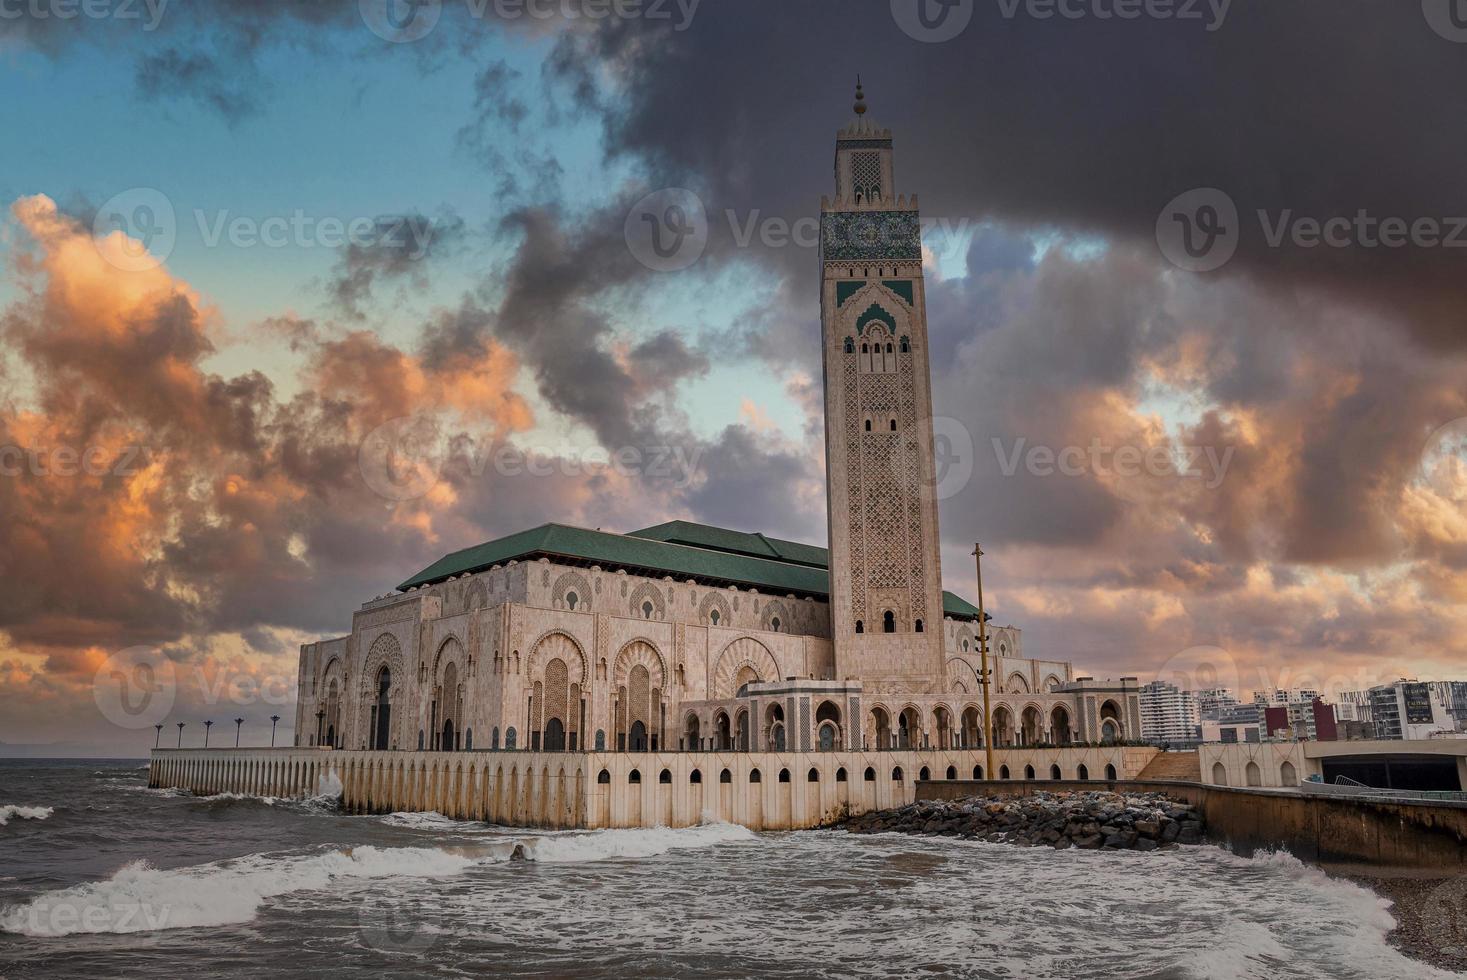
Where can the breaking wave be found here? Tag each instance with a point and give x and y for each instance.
(602, 845)
(9, 812)
(141, 898)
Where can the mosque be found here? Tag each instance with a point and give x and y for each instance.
(685, 638)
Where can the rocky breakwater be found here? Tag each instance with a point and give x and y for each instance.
(1088, 820)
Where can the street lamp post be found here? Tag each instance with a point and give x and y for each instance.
(237, 723)
(987, 672)
(273, 720)
(180, 734)
(207, 725)
(156, 738)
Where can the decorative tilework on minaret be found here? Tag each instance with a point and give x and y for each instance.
(885, 569)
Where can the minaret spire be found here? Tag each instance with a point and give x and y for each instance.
(860, 106)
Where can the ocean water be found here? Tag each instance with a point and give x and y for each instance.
(102, 877)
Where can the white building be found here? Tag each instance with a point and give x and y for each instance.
(1407, 709)
(1214, 701)
(685, 637)
(1169, 715)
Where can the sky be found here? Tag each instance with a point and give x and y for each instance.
(1195, 302)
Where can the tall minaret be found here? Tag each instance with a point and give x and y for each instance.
(885, 576)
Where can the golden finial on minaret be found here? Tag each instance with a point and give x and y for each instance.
(860, 98)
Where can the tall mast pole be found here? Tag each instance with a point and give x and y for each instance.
(986, 673)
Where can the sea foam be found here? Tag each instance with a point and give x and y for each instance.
(24, 813)
(141, 898)
(603, 845)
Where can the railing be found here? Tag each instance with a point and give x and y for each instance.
(1345, 787)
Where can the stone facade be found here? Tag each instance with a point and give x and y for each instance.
(541, 643)
(760, 790)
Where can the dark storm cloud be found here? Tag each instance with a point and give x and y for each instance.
(398, 248)
(1319, 106)
(175, 74)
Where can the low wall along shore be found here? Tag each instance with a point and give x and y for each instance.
(759, 790)
(1313, 828)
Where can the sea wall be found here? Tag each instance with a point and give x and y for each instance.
(759, 790)
(1313, 828)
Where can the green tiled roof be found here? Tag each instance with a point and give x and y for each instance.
(679, 548)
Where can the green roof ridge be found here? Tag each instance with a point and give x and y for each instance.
(658, 549)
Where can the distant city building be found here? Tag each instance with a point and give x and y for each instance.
(1231, 733)
(1314, 721)
(1169, 715)
(1213, 701)
(1410, 709)
(1302, 695)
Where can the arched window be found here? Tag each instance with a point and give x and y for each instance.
(600, 740)
(977, 772)
(784, 775)
(468, 740)
(893, 425)
(571, 599)
(494, 738)
(888, 622)
(420, 740)
(850, 346)
(603, 777)
(713, 617)
(918, 624)
(1028, 772)
(1003, 772)
(952, 772)
(870, 775)
(754, 776)
(647, 610)
(925, 775)
(774, 624)
(906, 346)
(1082, 772)
(1110, 771)
(840, 774)
(635, 776)
(665, 777)
(896, 774)
(1054, 772)
(888, 348)
(860, 626)
(725, 777)
(695, 776)
(868, 425)
(813, 776)
(509, 738)
(865, 348)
